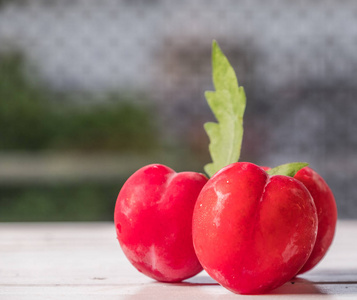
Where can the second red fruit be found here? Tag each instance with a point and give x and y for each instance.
(326, 213)
(253, 232)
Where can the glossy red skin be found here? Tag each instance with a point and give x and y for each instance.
(153, 220)
(253, 232)
(326, 212)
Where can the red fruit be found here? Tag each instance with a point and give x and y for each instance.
(153, 220)
(253, 232)
(326, 214)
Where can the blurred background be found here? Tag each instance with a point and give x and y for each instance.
(90, 91)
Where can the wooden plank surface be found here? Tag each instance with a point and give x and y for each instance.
(84, 261)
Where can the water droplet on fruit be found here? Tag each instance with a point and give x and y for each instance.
(119, 227)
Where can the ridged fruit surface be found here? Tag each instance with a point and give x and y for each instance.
(253, 232)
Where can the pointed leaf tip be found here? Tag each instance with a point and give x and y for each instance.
(227, 104)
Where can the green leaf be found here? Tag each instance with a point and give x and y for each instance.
(289, 169)
(228, 105)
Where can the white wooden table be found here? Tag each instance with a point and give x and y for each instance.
(84, 261)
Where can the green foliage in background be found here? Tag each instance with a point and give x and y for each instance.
(24, 121)
(79, 202)
(31, 118)
(34, 119)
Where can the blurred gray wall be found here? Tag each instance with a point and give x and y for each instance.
(296, 59)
